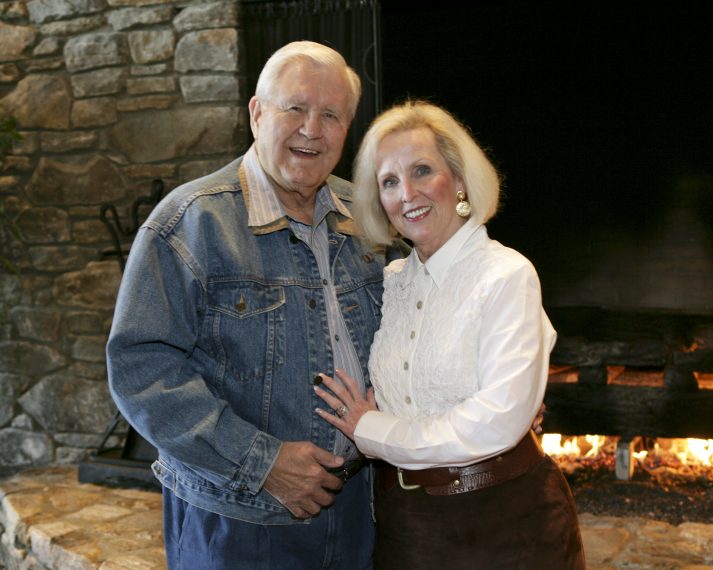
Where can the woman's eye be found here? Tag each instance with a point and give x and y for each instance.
(422, 170)
(387, 183)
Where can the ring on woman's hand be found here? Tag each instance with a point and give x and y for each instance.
(342, 411)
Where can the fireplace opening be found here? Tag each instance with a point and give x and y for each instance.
(598, 116)
(671, 479)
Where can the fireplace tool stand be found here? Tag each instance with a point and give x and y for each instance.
(130, 464)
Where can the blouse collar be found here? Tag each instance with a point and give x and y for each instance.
(438, 265)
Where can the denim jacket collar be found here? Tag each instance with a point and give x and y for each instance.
(271, 216)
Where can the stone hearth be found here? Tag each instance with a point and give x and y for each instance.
(49, 521)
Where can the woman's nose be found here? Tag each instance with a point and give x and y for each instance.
(407, 191)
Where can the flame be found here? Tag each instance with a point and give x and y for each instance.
(689, 451)
(553, 445)
(694, 451)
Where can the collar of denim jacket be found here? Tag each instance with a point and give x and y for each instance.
(265, 212)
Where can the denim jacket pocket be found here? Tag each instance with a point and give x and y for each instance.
(244, 299)
(246, 326)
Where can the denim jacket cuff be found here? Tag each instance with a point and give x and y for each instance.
(258, 462)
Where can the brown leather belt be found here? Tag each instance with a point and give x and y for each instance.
(455, 480)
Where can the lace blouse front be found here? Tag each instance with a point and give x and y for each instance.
(460, 362)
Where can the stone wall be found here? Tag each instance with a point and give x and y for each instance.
(108, 95)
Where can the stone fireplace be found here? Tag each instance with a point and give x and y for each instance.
(108, 95)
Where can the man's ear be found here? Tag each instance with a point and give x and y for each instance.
(255, 111)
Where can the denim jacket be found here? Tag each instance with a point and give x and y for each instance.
(218, 333)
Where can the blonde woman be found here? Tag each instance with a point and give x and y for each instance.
(458, 367)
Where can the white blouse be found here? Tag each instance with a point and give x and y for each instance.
(460, 362)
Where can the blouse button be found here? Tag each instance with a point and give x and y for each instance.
(419, 304)
(405, 365)
(413, 334)
(407, 399)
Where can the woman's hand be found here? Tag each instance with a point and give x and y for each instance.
(346, 401)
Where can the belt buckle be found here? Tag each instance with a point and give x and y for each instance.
(404, 486)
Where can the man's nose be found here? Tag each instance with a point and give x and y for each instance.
(312, 126)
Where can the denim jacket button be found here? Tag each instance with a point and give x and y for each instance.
(312, 303)
(294, 238)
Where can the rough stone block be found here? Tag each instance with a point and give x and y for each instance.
(209, 15)
(95, 50)
(150, 46)
(125, 18)
(101, 82)
(15, 41)
(61, 402)
(207, 50)
(39, 101)
(41, 11)
(93, 287)
(197, 88)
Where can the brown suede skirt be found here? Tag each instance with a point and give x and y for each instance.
(527, 523)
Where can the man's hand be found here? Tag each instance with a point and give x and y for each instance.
(299, 479)
(537, 422)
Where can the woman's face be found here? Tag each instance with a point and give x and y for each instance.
(418, 189)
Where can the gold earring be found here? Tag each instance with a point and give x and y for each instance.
(463, 208)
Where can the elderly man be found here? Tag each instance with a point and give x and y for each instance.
(240, 288)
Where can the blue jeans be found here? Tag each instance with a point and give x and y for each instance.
(341, 537)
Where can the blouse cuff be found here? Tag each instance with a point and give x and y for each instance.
(372, 431)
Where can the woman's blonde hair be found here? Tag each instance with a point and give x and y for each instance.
(464, 157)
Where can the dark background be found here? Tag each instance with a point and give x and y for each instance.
(591, 113)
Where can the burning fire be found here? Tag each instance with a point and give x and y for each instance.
(688, 451)
(553, 445)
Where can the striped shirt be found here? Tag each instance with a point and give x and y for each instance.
(265, 208)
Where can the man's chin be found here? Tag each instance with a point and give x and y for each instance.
(305, 184)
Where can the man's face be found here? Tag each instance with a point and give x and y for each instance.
(300, 131)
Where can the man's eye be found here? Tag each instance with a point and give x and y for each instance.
(330, 116)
